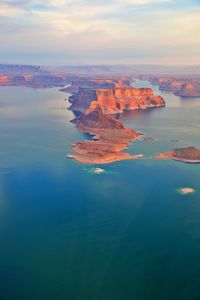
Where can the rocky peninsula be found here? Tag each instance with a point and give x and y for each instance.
(109, 137)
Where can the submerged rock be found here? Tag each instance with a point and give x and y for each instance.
(97, 170)
(186, 191)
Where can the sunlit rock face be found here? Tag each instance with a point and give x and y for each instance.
(116, 100)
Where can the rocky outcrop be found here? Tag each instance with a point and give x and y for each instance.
(116, 100)
(82, 99)
(186, 155)
(110, 137)
(93, 117)
(98, 108)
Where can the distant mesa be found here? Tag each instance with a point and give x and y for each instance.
(187, 155)
(30, 76)
(95, 84)
(188, 90)
(181, 86)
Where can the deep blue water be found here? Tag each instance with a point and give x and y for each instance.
(66, 233)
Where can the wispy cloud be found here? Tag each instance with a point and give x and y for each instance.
(111, 31)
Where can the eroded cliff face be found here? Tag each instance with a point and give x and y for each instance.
(116, 100)
(81, 100)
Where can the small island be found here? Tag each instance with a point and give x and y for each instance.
(186, 191)
(187, 155)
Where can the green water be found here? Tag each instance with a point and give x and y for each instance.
(66, 233)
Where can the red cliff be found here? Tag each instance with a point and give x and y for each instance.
(116, 100)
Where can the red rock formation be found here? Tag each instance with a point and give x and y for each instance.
(95, 84)
(186, 155)
(170, 85)
(4, 80)
(110, 138)
(38, 80)
(94, 118)
(116, 100)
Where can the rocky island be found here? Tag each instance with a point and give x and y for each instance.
(181, 86)
(187, 155)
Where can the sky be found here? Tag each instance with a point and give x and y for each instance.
(100, 31)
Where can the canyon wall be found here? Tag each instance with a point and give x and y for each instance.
(116, 100)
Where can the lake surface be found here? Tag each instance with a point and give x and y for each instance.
(66, 233)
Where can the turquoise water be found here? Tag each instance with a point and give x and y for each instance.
(66, 233)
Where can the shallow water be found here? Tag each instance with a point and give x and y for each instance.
(67, 233)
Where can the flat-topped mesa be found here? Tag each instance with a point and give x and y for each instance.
(95, 84)
(36, 80)
(116, 100)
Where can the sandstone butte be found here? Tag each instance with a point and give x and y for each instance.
(109, 138)
(187, 155)
(95, 84)
(117, 100)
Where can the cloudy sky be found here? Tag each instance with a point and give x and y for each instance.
(100, 31)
